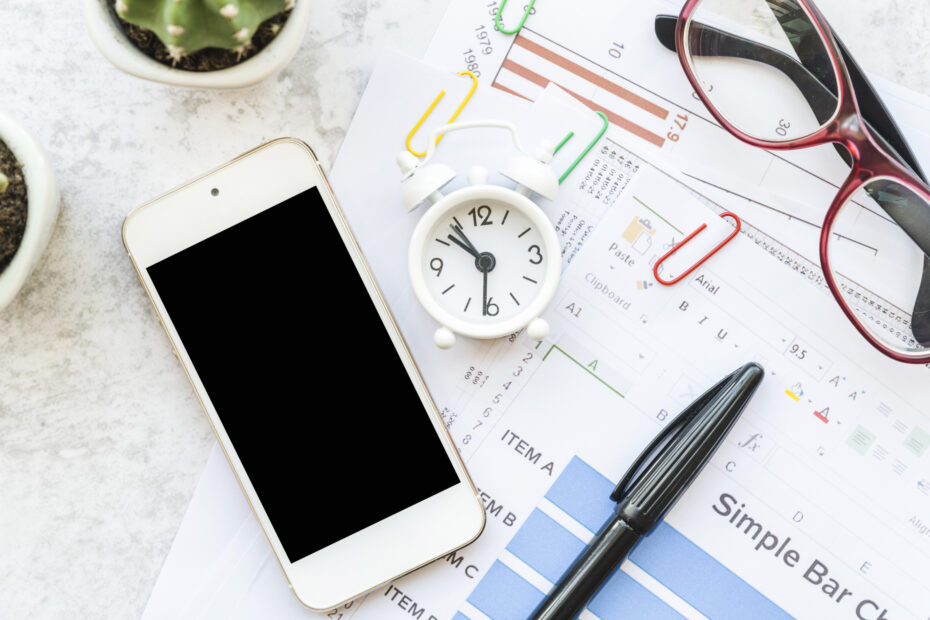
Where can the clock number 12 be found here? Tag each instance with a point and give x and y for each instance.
(484, 213)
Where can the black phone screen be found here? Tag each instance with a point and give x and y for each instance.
(303, 374)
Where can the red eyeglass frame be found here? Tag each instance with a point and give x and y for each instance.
(870, 161)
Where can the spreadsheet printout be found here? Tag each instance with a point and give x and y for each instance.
(817, 505)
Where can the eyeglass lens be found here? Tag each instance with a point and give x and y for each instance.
(764, 66)
(879, 266)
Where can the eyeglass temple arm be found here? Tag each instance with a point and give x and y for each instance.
(821, 98)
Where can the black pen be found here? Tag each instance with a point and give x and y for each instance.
(699, 429)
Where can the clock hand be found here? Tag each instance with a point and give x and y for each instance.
(463, 246)
(484, 306)
(461, 234)
(484, 261)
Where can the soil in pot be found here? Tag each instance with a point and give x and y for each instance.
(207, 59)
(13, 206)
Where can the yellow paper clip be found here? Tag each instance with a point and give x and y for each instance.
(433, 105)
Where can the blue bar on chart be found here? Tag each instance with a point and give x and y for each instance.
(622, 597)
(545, 546)
(699, 579)
(670, 558)
(504, 595)
(584, 494)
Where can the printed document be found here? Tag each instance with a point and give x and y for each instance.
(818, 504)
(615, 63)
(821, 489)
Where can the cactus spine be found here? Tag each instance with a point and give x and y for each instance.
(186, 26)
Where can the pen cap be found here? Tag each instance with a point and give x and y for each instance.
(704, 425)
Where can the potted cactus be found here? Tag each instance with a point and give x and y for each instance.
(28, 206)
(198, 43)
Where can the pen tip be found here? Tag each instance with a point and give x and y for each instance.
(751, 372)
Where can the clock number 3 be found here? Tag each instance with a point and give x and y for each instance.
(537, 258)
(483, 213)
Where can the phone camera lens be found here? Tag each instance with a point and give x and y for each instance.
(214, 192)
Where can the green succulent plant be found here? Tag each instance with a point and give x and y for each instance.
(186, 26)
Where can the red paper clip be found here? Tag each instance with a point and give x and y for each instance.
(655, 268)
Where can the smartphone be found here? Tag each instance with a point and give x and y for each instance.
(314, 397)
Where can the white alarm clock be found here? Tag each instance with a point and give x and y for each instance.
(484, 260)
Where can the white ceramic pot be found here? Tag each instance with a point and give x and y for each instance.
(110, 39)
(42, 211)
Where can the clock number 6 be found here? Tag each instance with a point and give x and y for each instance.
(436, 265)
(538, 257)
(492, 305)
(483, 212)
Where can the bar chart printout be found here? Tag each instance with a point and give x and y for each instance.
(616, 64)
(534, 63)
(548, 548)
(623, 357)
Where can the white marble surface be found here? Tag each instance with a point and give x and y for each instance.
(101, 438)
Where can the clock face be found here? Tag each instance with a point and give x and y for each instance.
(485, 260)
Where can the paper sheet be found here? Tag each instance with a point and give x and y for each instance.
(829, 450)
(826, 442)
(617, 64)
(220, 565)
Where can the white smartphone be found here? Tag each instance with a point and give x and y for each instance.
(303, 374)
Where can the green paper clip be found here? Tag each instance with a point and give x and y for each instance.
(497, 18)
(587, 148)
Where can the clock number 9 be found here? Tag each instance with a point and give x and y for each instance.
(539, 257)
(436, 265)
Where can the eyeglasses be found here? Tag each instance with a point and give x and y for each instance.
(774, 75)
